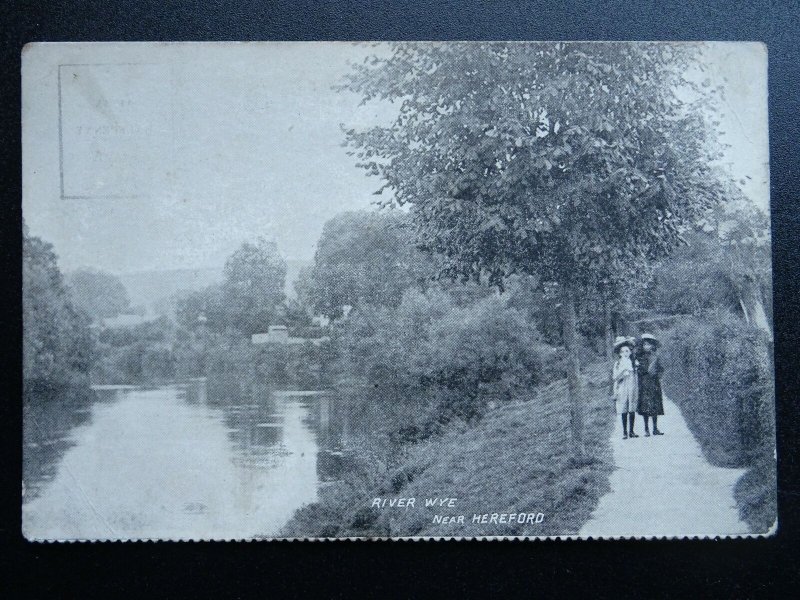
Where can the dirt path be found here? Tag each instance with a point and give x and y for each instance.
(664, 486)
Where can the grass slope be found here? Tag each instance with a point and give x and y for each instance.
(517, 459)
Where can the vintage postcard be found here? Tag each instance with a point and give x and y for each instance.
(396, 290)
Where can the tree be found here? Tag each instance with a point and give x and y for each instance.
(364, 258)
(98, 293)
(252, 291)
(57, 343)
(201, 308)
(727, 259)
(571, 162)
(744, 233)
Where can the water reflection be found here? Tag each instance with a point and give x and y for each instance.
(216, 459)
(48, 427)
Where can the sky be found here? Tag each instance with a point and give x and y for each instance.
(158, 156)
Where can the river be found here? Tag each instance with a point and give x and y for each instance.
(210, 460)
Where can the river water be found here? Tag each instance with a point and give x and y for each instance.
(212, 460)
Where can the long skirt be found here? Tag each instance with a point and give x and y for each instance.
(651, 398)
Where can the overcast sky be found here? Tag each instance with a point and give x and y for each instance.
(172, 155)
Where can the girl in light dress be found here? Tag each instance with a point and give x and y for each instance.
(625, 385)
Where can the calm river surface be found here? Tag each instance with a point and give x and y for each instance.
(197, 460)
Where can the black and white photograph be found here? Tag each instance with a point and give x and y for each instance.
(396, 290)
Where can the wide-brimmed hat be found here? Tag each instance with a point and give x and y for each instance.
(649, 337)
(621, 341)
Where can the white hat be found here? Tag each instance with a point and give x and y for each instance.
(621, 341)
(649, 337)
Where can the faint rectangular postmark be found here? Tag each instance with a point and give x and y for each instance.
(111, 119)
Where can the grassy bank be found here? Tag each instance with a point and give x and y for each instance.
(517, 459)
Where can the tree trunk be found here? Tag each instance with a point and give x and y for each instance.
(576, 400)
(752, 305)
(744, 310)
(760, 316)
(609, 341)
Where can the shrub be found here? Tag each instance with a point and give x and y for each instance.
(431, 360)
(723, 382)
(139, 362)
(756, 494)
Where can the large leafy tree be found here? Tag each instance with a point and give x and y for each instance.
(572, 162)
(364, 258)
(57, 343)
(252, 292)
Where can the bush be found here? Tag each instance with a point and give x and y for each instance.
(722, 380)
(135, 355)
(721, 376)
(137, 363)
(756, 494)
(430, 360)
(297, 366)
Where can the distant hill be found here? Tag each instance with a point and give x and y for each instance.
(148, 287)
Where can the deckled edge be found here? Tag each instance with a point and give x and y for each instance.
(771, 532)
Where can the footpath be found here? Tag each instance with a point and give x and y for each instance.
(664, 486)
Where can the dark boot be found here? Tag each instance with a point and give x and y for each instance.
(631, 421)
(624, 426)
(646, 426)
(655, 426)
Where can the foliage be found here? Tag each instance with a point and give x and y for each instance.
(429, 360)
(576, 162)
(756, 494)
(57, 342)
(745, 261)
(536, 476)
(696, 262)
(98, 293)
(363, 258)
(252, 291)
(294, 366)
(157, 330)
(132, 355)
(249, 299)
(563, 160)
(191, 349)
(202, 309)
(721, 376)
(727, 260)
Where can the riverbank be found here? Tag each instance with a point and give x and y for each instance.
(517, 459)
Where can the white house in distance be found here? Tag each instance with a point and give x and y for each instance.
(279, 334)
(124, 321)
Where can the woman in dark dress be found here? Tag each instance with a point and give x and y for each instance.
(651, 399)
